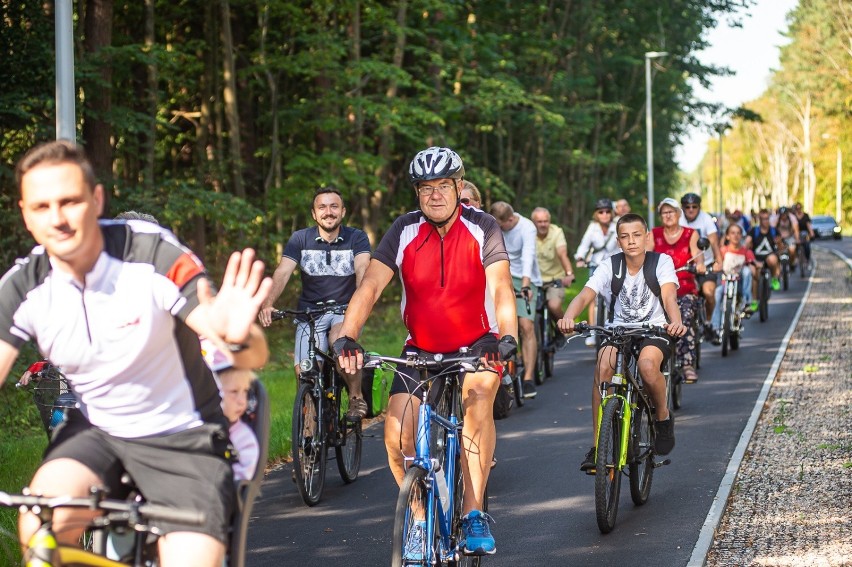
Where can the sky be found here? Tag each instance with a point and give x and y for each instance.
(752, 52)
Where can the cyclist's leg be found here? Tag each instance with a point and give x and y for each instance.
(774, 264)
(708, 290)
(529, 346)
(479, 435)
(650, 359)
(747, 275)
(555, 297)
(190, 548)
(300, 347)
(353, 381)
(716, 319)
(401, 420)
(758, 265)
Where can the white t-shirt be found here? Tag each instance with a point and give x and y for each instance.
(636, 302)
(248, 450)
(520, 244)
(705, 226)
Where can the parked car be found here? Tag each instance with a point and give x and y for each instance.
(826, 227)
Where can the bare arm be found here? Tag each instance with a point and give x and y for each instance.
(375, 280)
(562, 254)
(361, 263)
(8, 355)
(717, 252)
(280, 278)
(580, 302)
(668, 296)
(499, 282)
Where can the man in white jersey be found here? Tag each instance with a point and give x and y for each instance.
(635, 303)
(119, 306)
(693, 217)
(519, 235)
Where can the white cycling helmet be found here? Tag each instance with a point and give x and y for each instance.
(435, 163)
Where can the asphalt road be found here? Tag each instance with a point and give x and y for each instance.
(543, 505)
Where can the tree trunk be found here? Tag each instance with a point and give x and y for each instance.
(97, 131)
(150, 136)
(229, 91)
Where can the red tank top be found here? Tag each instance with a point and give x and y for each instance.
(679, 251)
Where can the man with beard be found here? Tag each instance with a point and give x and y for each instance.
(332, 260)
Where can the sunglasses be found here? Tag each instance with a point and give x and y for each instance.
(691, 207)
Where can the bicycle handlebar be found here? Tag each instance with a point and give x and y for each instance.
(116, 509)
(418, 361)
(312, 313)
(624, 329)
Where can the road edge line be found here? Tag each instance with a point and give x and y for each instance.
(720, 501)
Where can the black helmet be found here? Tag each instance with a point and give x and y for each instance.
(690, 199)
(435, 163)
(783, 211)
(603, 203)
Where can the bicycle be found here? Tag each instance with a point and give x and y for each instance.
(319, 414)
(764, 291)
(625, 424)
(547, 335)
(133, 517)
(433, 486)
(805, 257)
(732, 313)
(784, 258)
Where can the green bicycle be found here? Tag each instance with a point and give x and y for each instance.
(625, 424)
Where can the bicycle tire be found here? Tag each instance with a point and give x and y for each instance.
(734, 339)
(607, 471)
(763, 293)
(641, 465)
(309, 453)
(517, 383)
(727, 330)
(538, 374)
(785, 275)
(676, 378)
(552, 337)
(414, 492)
(347, 452)
(463, 560)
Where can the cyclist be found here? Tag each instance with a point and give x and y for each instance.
(133, 304)
(519, 236)
(806, 230)
(696, 219)
(787, 226)
(736, 258)
(552, 254)
(681, 243)
(622, 207)
(601, 242)
(332, 259)
(635, 303)
(457, 292)
(470, 195)
(763, 240)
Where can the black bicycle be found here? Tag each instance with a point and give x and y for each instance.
(784, 258)
(805, 255)
(547, 334)
(764, 291)
(625, 423)
(517, 368)
(319, 414)
(733, 313)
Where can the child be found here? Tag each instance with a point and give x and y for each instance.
(235, 385)
(635, 303)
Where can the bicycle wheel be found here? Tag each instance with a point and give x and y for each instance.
(641, 465)
(676, 385)
(458, 501)
(539, 375)
(347, 452)
(411, 505)
(552, 340)
(607, 471)
(785, 274)
(309, 450)
(727, 324)
(763, 294)
(517, 370)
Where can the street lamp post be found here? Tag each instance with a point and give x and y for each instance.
(65, 113)
(649, 132)
(838, 196)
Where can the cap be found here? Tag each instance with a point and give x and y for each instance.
(670, 202)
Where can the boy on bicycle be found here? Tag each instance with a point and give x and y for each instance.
(635, 303)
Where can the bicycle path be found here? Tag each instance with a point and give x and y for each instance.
(790, 502)
(543, 505)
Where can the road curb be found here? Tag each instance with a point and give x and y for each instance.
(720, 501)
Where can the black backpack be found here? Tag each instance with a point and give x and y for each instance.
(619, 271)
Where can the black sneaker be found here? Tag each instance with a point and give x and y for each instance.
(717, 339)
(664, 441)
(588, 464)
(529, 389)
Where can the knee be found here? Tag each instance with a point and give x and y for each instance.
(648, 368)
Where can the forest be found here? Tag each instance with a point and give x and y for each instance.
(221, 117)
(789, 145)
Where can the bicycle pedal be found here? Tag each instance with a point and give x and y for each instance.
(662, 463)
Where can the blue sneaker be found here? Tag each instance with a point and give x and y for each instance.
(415, 545)
(477, 536)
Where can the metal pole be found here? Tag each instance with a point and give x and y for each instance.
(839, 196)
(721, 181)
(65, 111)
(649, 141)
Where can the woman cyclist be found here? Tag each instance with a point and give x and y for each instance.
(788, 229)
(599, 240)
(681, 243)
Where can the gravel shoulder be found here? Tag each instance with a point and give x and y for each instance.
(791, 503)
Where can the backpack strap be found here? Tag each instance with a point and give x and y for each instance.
(619, 266)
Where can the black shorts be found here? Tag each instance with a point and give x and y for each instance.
(185, 470)
(406, 380)
(701, 278)
(664, 344)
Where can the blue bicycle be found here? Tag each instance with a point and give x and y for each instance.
(431, 494)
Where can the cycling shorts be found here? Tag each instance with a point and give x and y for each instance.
(406, 380)
(521, 303)
(700, 279)
(554, 292)
(186, 470)
(324, 325)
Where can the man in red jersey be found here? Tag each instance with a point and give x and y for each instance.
(457, 292)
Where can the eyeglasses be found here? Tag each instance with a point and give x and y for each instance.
(604, 211)
(442, 188)
(691, 206)
(667, 213)
(465, 201)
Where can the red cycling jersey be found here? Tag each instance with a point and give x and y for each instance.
(446, 303)
(679, 251)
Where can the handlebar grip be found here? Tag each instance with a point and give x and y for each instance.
(166, 514)
(277, 315)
